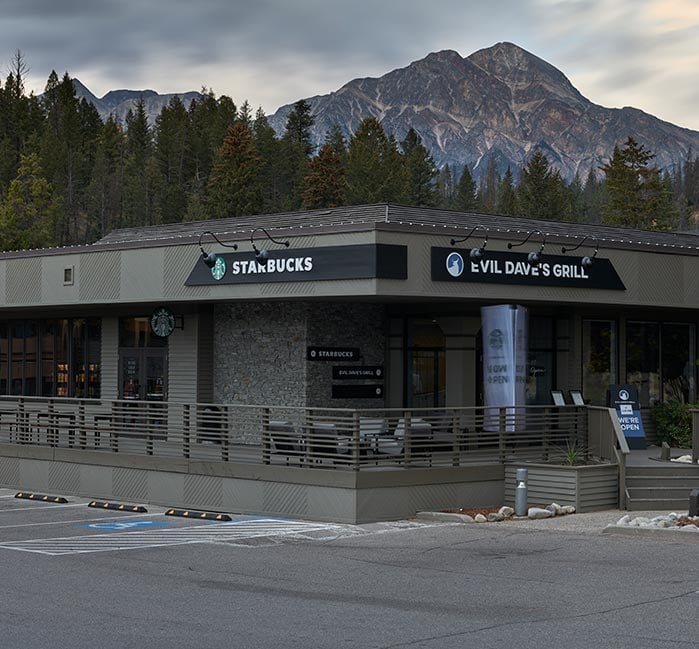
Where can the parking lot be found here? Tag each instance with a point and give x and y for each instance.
(77, 576)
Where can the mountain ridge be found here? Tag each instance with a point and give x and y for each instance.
(501, 101)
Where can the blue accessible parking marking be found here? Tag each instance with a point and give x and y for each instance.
(126, 525)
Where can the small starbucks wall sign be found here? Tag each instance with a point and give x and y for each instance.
(162, 322)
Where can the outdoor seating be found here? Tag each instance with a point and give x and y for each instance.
(285, 441)
(419, 434)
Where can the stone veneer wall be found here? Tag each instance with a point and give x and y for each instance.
(344, 325)
(260, 351)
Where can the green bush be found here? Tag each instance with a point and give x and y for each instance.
(673, 423)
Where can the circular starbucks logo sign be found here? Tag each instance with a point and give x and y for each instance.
(495, 339)
(219, 268)
(455, 264)
(162, 322)
(624, 395)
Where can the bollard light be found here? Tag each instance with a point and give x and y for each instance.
(521, 493)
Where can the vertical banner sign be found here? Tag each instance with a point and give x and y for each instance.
(624, 400)
(504, 328)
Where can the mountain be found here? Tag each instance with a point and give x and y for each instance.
(500, 101)
(119, 102)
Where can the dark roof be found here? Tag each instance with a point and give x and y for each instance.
(422, 218)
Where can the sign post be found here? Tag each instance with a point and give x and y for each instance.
(624, 400)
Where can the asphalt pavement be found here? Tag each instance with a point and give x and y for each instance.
(79, 577)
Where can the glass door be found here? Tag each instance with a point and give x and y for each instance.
(143, 374)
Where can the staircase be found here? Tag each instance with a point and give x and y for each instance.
(662, 487)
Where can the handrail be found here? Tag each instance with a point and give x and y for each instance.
(611, 438)
(324, 438)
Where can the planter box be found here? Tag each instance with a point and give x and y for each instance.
(587, 488)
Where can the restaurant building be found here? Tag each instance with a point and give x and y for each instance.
(371, 307)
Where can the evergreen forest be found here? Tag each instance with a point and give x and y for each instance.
(68, 177)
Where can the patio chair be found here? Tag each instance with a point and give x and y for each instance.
(286, 441)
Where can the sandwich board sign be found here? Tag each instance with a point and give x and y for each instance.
(624, 400)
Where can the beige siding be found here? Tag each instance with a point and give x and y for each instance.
(182, 361)
(110, 358)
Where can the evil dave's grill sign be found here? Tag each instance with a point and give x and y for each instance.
(498, 267)
(366, 261)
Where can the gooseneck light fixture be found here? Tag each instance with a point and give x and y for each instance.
(586, 261)
(210, 258)
(261, 256)
(476, 253)
(534, 257)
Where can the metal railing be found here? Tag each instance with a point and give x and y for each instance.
(304, 437)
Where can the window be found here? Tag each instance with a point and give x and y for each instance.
(50, 358)
(599, 359)
(660, 361)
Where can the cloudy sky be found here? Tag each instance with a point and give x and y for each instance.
(641, 53)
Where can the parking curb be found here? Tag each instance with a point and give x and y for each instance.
(650, 532)
(445, 517)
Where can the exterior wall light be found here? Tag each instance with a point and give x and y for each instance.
(586, 261)
(476, 253)
(209, 258)
(261, 256)
(534, 257)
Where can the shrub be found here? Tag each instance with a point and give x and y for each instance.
(673, 423)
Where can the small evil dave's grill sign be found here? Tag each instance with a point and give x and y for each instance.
(499, 267)
(365, 261)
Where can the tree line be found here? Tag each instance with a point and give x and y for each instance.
(68, 177)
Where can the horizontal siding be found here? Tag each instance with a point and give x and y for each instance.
(586, 488)
(182, 362)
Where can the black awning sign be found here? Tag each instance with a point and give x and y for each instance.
(499, 267)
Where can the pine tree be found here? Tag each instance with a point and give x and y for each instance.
(488, 186)
(374, 166)
(325, 184)
(139, 186)
(445, 188)
(541, 192)
(507, 196)
(268, 148)
(465, 196)
(337, 142)
(234, 185)
(419, 170)
(637, 196)
(171, 140)
(295, 151)
(28, 212)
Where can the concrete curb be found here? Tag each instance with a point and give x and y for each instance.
(444, 517)
(651, 532)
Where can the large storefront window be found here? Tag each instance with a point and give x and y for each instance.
(599, 360)
(660, 361)
(540, 369)
(50, 358)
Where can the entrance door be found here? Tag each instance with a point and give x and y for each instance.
(143, 374)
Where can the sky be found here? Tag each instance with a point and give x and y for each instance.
(640, 53)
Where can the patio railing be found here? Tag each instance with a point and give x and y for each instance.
(304, 437)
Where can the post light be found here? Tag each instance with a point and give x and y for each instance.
(586, 261)
(534, 257)
(209, 258)
(476, 253)
(261, 256)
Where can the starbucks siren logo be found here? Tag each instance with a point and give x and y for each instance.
(495, 339)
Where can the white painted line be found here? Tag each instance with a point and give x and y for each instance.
(77, 520)
(46, 509)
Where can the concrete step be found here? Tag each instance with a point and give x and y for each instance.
(664, 468)
(663, 481)
(663, 493)
(657, 504)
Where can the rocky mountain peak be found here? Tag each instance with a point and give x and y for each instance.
(501, 102)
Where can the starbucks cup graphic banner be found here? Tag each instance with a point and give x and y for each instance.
(504, 328)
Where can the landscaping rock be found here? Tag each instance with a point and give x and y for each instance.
(495, 517)
(480, 518)
(567, 509)
(506, 511)
(537, 512)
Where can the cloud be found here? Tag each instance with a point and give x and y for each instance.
(272, 52)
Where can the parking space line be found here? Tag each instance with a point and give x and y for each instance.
(77, 520)
(206, 533)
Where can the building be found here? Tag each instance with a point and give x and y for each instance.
(356, 307)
